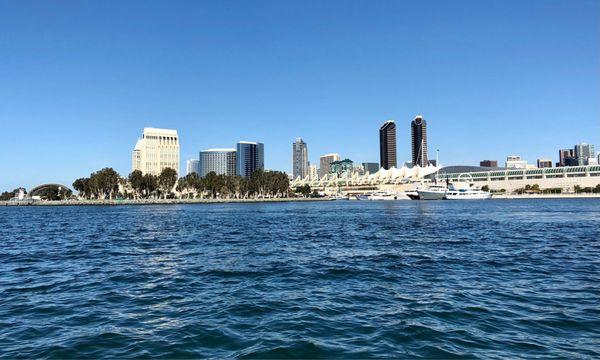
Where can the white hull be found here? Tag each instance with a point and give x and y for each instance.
(431, 194)
(468, 195)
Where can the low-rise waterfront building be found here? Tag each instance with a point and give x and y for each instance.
(565, 178)
(156, 150)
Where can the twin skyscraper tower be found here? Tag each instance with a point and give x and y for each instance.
(387, 143)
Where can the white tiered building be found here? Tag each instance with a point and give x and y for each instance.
(156, 150)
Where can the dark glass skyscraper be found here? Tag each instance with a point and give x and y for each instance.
(418, 131)
(387, 144)
(250, 157)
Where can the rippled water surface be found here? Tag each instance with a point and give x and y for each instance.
(337, 279)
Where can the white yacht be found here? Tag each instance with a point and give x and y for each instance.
(434, 192)
(382, 195)
(467, 193)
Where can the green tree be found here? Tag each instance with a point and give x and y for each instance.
(82, 185)
(167, 180)
(136, 180)
(149, 185)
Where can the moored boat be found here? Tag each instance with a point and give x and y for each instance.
(434, 192)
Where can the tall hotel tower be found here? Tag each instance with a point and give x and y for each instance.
(418, 130)
(156, 150)
(250, 157)
(299, 159)
(387, 144)
(219, 161)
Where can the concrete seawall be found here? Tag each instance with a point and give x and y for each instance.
(156, 202)
(547, 196)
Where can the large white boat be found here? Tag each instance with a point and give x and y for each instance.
(382, 195)
(466, 191)
(434, 192)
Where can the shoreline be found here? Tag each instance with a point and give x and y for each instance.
(545, 196)
(156, 202)
(264, 200)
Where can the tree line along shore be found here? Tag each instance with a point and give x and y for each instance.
(107, 184)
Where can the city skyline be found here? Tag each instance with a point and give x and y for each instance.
(100, 85)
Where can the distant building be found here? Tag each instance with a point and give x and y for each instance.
(313, 172)
(563, 155)
(219, 161)
(345, 166)
(156, 150)
(299, 159)
(571, 161)
(419, 141)
(370, 167)
(387, 144)
(250, 157)
(583, 153)
(515, 162)
(192, 166)
(325, 163)
(358, 170)
(488, 163)
(544, 163)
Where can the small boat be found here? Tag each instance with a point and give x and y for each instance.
(434, 192)
(362, 197)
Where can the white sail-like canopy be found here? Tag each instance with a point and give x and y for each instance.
(382, 176)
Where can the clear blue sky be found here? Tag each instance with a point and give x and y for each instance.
(79, 80)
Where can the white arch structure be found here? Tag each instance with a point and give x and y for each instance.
(381, 177)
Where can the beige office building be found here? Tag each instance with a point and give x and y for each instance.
(325, 163)
(156, 150)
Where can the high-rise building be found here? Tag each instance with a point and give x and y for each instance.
(325, 163)
(418, 132)
(192, 166)
(544, 163)
(313, 172)
(156, 150)
(219, 161)
(563, 155)
(488, 163)
(299, 159)
(387, 144)
(583, 153)
(250, 157)
(370, 167)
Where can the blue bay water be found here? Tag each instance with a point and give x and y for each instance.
(495, 279)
